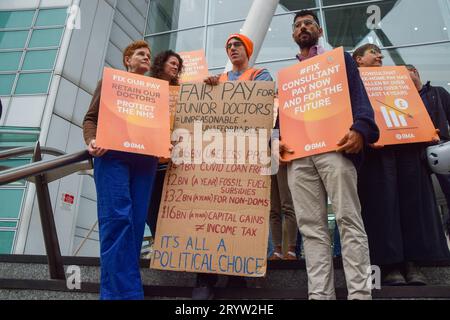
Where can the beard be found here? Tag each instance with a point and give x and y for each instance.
(307, 42)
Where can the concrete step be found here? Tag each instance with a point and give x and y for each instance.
(28, 277)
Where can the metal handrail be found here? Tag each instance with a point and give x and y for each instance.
(16, 152)
(42, 167)
(41, 173)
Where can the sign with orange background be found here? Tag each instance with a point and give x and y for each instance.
(400, 113)
(134, 114)
(314, 104)
(195, 66)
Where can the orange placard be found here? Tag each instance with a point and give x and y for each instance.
(195, 66)
(399, 111)
(134, 114)
(314, 104)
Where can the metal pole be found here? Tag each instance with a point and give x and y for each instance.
(55, 263)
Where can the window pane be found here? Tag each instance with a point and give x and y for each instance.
(9, 60)
(431, 61)
(274, 67)
(11, 200)
(6, 241)
(188, 40)
(12, 163)
(13, 39)
(38, 60)
(6, 83)
(293, 5)
(51, 17)
(32, 83)
(217, 35)
(8, 224)
(278, 43)
(225, 10)
(165, 15)
(45, 38)
(337, 2)
(16, 19)
(355, 25)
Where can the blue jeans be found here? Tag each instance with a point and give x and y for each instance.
(123, 181)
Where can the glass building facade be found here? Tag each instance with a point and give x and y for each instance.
(408, 31)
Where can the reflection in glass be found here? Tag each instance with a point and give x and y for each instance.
(188, 40)
(165, 15)
(353, 26)
(6, 83)
(39, 60)
(9, 61)
(33, 83)
(226, 10)
(51, 17)
(11, 199)
(16, 19)
(13, 39)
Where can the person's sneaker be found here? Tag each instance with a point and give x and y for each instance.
(203, 293)
(276, 256)
(394, 278)
(414, 277)
(290, 256)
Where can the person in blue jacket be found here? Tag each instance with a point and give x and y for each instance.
(334, 174)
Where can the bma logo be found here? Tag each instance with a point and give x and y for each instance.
(315, 146)
(132, 145)
(404, 136)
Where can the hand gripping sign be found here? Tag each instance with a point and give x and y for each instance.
(314, 104)
(134, 114)
(400, 113)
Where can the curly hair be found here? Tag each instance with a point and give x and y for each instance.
(132, 47)
(157, 69)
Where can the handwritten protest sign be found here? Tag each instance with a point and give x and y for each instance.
(400, 113)
(314, 104)
(195, 66)
(213, 216)
(134, 114)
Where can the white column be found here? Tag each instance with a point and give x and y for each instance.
(256, 25)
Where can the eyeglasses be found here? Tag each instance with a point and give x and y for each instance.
(306, 22)
(376, 52)
(236, 44)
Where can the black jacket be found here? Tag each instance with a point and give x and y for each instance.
(1, 109)
(438, 106)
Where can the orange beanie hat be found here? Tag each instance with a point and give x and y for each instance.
(248, 44)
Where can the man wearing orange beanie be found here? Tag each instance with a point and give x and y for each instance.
(239, 49)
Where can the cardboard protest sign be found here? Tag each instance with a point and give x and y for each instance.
(195, 66)
(134, 114)
(214, 215)
(400, 113)
(314, 104)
